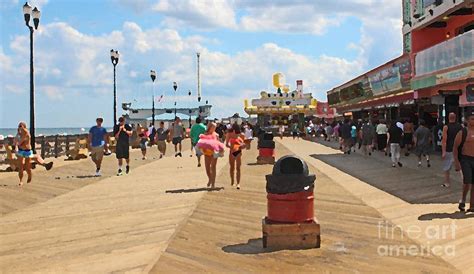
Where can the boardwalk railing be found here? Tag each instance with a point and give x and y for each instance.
(47, 146)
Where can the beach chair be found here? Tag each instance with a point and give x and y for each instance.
(79, 151)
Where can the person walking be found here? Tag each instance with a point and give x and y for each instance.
(235, 143)
(346, 136)
(447, 142)
(196, 130)
(152, 134)
(354, 136)
(177, 133)
(281, 131)
(97, 140)
(162, 135)
(423, 139)
(408, 130)
(143, 135)
(337, 134)
(211, 156)
(368, 135)
(329, 132)
(248, 132)
(122, 133)
(394, 136)
(295, 131)
(381, 131)
(463, 153)
(24, 152)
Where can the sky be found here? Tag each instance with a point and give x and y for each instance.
(242, 43)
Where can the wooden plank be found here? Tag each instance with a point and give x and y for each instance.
(290, 229)
(302, 241)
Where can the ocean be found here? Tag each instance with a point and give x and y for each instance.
(49, 131)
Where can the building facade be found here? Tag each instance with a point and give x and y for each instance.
(433, 76)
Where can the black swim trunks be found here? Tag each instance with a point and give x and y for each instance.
(177, 140)
(467, 167)
(122, 151)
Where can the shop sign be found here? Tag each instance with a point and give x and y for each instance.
(406, 11)
(424, 101)
(450, 92)
(392, 78)
(455, 75)
(470, 93)
(352, 92)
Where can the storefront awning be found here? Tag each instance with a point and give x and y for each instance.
(393, 100)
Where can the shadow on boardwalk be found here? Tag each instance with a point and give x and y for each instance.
(455, 215)
(192, 190)
(413, 185)
(254, 247)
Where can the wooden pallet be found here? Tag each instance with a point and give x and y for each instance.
(291, 236)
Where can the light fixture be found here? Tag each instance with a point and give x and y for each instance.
(36, 16)
(27, 12)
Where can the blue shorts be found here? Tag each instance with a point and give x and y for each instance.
(24, 153)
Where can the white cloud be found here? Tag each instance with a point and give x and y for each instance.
(53, 92)
(5, 63)
(202, 14)
(77, 64)
(291, 19)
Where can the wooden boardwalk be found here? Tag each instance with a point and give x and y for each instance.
(112, 224)
(64, 177)
(159, 219)
(415, 201)
(224, 234)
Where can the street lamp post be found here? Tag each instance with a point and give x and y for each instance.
(28, 12)
(190, 111)
(175, 86)
(114, 57)
(153, 78)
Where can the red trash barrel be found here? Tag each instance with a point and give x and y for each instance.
(291, 208)
(266, 152)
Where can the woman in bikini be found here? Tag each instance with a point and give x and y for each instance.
(210, 156)
(24, 152)
(235, 142)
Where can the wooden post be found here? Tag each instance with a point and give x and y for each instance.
(67, 143)
(56, 146)
(43, 149)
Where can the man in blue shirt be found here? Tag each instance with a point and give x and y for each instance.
(97, 144)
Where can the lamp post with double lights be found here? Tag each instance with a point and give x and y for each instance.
(114, 57)
(28, 13)
(153, 78)
(175, 87)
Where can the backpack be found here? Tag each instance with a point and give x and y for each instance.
(461, 146)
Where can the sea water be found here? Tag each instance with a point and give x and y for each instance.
(49, 131)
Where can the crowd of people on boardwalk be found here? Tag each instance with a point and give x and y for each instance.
(393, 138)
(209, 140)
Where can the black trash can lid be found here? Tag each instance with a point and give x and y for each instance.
(290, 164)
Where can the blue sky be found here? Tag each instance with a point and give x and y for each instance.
(242, 43)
